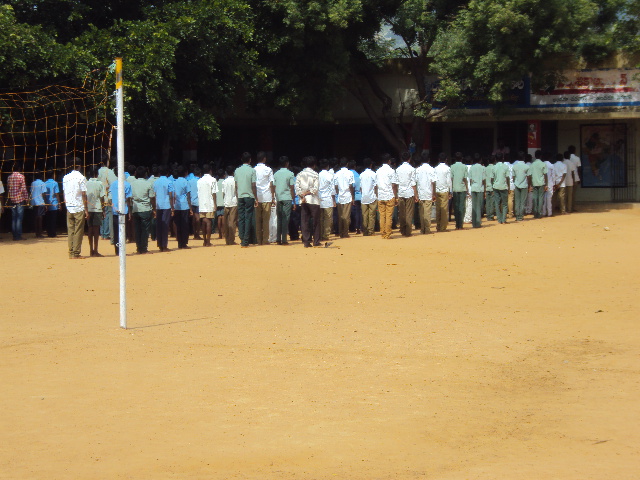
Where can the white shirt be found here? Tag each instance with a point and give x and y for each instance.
(307, 181)
(264, 180)
(326, 189)
(406, 180)
(559, 169)
(443, 178)
(510, 165)
(343, 180)
(550, 175)
(207, 188)
(571, 168)
(229, 192)
(368, 186)
(577, 162)
(73, 184)
(425, 176)
(385, 178)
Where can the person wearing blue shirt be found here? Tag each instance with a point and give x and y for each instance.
(113, 190)
(38, 190)
(181, 208)
(163, 188)
(356, 208)
(195, 204)
(52, 201)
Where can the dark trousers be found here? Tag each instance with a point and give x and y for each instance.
(163, 217)
(344, 218)
(181, 217)
(459, 207)
(294, 224)
(283, 211)
(310, 212)
(356, 216)
(501, 199)
(115, 230)
(51, 222)
(490, 205)
(538, 199)
(245, 220)
(520, 197)
(142, 225)
(476, 209)
(405, 215)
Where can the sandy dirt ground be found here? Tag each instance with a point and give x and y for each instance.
(507, 352)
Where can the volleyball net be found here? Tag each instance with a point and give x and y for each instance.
(42, 130)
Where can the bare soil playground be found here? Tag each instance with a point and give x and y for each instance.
(506, 352)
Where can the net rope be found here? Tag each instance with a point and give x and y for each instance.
(44, 129)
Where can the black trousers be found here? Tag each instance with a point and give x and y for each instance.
(310, 212)
(163, 217)
(51, 222)
(181, 217)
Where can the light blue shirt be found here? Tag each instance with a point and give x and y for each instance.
(52, 188)
(181, 188)
(193, 189)
(113, 190)
(163, 188)
(356, 178)
(38, 188)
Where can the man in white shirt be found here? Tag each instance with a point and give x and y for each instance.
(345, 187)
(559, 188)
(306, 188)
(369, 198)
(74, 186)
(407, 194)
(326, 192)
(426, 184)
(576, 181)
(547, 204)
(265, 189)
(207, 187)
(387, 182)
(443, 193)
(230, 206)
(569, 180)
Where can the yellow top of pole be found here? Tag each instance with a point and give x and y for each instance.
(118, 72)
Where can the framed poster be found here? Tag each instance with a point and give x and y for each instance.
(603, 152)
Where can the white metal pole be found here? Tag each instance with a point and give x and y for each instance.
(122, 239)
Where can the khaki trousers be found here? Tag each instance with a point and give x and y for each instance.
(344, 219)
(442, 211)
(326, 222)
(385, 207)
(425, 207)
(559, 199)
(570, 196)
(369, 218)
(405, 215)
(263, 214)
(230, 221)
(75, 232)
(510, 201)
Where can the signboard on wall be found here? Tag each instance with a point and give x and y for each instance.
(592, 88)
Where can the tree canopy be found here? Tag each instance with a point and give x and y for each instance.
(189, 62)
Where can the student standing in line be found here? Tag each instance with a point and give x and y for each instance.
(246, 193)
(387, 183)
(230, 202)
(326, 193)
(501, 188)
(284, 182)
(560, 175)
(407, 194)
(345, 187)
(460, 187)
(96, 197)
(307, 184)
(182, 208)
(207, 187)
(443, 192)
(163, 189)
(74, 187)
(53, 202)
(369, 202)
(143, 208)
(521, 184)
(38, 190)
(478, 191)
(192, 180)
(265, 190)
(539, 179)
(426, 184)
(490, 202)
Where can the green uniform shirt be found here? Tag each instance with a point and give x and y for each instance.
(477, 176)
(500, 176)
(282, 180)
(489, 172)
(141, 193)
(458, 174)
(95, 193)
(537, 170)
(244, 176)
(520, 173)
